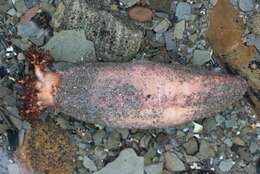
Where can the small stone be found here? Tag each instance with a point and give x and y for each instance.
(126, 162)
(12, 12)
(179, 29)
(71, 46)
(161, 5)
(220, 120)
(30, 3)
(28, 15)
(226, 165)
(154, 168)
(255, 22)
(57, 17)
(129, 3)
(162, 26)
(253, 40)
(14, 117)
(20, 7)
(254, 147)
(27, 30)
(247, 5)
(191, 147)
(206, 151)
(98, 137)
(140, 14)
(13, 169)
(144, 142)
(173, 163)
(200, 57)
(183, 10)
(239, 141)
(209, 124)
(113, 140)
(197, 127)
(169, 40)
(4, 5)
(89, 164)
(124, 133)
(228, 142)
(230, 123)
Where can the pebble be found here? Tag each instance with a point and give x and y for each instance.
(247, 5)
(123, 132)
(113, 140)
(4, 5)
(209, 124)
(140, 14)
(89, 164)
(226, 165)
(170, 41)
(162, 5)
(162, 26)
(58, 16)
(183, 10)
(20, 7)
(254, 147)
(13, 169)
(173, 163)
(228, 142)
(206, 151)
(127, 161)
(179, 29)
(129, 3)
(71, 46)
(191, 146)
(200, 57)
(28, 30)
(239, 141)
(144, 142)
(154, 168)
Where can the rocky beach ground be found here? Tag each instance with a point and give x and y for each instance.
(167, 31)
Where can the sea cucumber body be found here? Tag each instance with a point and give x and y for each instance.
(144, 94)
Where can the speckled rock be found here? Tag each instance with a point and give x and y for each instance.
(115, 39)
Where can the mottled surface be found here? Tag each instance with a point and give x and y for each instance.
(115, 39)
(145, 94)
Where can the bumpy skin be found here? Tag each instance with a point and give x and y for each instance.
(144, 94)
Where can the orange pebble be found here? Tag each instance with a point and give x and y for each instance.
(141, 14)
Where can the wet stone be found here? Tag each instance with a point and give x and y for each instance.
(89, 164)
(183, 10)
(200, 57)
(179, 29)
(98, 137)
(247, 5)
(206, 151)
(144, 142)
(209, 124)
(71, 46)
(254, 147)
(161, 5)
(154, 168)
(191, 146)
(173, 163)
(115, 39)
(226, 165)
(126, 161)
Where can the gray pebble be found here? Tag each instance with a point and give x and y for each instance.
(71, 46)
(247, 5)
(173, 163)
(89, 164)
(126, 162)
(226, 165)
(183, 10)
